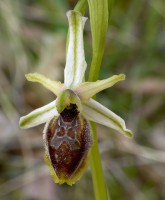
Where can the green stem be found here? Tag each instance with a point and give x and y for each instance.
(81, 6)
(98, 10)
(96, 169)
(98, 18)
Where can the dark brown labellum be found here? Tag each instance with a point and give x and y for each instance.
(68, 141)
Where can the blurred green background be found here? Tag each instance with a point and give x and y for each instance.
(32, 38)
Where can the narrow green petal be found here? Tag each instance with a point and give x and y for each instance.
(88, 89)
(53, 86)
(98, 113)
(75, 60)
(39, 116)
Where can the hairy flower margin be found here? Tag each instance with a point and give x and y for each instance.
(67, 134)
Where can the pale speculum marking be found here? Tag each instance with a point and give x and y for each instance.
(66, 132)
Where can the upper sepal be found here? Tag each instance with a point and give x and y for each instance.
(75, 60)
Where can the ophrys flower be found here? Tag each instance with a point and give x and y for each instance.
(67, 133)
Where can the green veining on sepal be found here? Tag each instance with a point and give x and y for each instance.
(100, 114)
(75, 61)
(38, 116)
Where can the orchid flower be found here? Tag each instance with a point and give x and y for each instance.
(67, 133)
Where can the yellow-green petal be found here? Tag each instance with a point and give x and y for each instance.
(53, 86)
(87, 90)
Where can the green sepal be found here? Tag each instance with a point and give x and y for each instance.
(96, 112)
(39, 116)
(75, 60)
